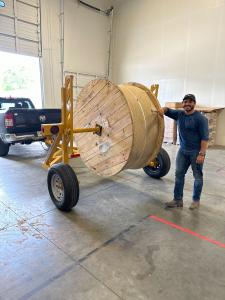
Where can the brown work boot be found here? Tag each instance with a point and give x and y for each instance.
(194, 205)
(174, 203)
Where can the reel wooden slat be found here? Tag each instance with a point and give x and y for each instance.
(132, 131)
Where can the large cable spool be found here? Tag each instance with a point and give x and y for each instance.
(132, 129)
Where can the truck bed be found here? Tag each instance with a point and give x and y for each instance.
(30, 120)
(20, 122)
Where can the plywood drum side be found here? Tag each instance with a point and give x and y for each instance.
(157, 121)
(101, 102)
(132, 128)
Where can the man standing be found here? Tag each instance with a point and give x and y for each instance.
(194, 135)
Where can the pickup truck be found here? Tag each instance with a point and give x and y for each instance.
(21, 123)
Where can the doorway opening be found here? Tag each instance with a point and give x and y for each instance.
(20, 77)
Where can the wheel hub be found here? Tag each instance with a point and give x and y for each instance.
(57, 187)
(154, 164)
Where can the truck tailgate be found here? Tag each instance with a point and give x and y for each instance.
(30, 120)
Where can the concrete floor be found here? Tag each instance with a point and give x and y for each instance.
(106, 248)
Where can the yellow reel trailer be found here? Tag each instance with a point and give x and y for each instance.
(123, 130)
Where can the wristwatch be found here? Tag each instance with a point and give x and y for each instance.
(201, 153)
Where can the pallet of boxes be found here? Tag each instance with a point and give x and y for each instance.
(211, 113)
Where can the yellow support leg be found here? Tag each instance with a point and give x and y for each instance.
(62, 147)
(61, 135)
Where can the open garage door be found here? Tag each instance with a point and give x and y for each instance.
(20, 27)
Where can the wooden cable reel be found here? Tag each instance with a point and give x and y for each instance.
(132, 129)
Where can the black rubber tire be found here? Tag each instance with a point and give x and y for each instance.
(163, 168)
(70, 185)
(4, 148)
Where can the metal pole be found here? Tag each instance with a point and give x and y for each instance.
(110, 43)
(61, 21)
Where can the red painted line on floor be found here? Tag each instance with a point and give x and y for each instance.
(188, 231)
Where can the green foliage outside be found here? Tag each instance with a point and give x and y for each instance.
(15, 78)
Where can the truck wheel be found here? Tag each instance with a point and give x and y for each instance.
(63, 186)
(4, 148)
(160, 167)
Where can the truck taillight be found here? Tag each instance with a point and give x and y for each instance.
(9, 120)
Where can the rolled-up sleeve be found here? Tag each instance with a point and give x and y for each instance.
(172, 113)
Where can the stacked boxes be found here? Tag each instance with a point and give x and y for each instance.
(212, 119)
(171, 134)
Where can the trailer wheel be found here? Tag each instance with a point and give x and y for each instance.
(63, 186)
(160, 167)
(4, 148)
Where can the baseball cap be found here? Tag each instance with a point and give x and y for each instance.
(190, 97)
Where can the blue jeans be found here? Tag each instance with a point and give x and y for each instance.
(183, 162)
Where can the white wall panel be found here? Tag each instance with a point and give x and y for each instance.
(179, 44)
(85, 45)
(7, 43)
(27, 31)
(28, 47)
(86, 38)
(51, 52)
(31, 2)
(27, 13)
(7, 25)
(20, 27)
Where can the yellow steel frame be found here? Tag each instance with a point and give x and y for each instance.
(62, 144)
(154, 89)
